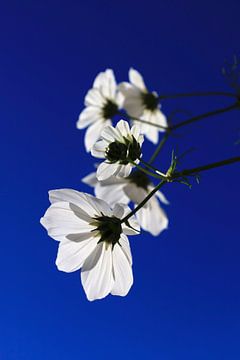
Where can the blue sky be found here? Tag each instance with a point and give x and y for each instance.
(184, 303)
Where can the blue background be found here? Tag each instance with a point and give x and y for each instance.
(185, 301)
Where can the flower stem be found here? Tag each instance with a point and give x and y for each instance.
(204, 116)
(147, 171)
(152, 168)
(190, 120)
(208, 93)
(180, 174)
(143, 202)
(196, 170)
(159, 147)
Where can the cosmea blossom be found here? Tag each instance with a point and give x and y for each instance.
(102, 104)
(135, 188)
(92, 238)
(120, 147)
(142, 104)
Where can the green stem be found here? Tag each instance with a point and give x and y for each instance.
(146, 171)
(190, 120)
(205, 115)
(208, 93)
(177, 175)
(143, 202)
(153, 168)
(196, 170)
(159, 147)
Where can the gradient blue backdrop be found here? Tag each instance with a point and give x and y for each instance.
(185, 300)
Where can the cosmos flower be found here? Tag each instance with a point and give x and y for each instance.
(135, 188)
(142, 104)
(120, 147)
(102, 104)
(92, 238)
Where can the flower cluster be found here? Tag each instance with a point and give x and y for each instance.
(92, 231)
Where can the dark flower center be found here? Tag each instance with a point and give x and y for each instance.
(110, 229)
(150, 101)
(139, 179)
(123, 152)
(110, 109)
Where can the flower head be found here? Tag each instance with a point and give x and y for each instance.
(120, 147)
(92, 238)
(135, 188)
(102, 104)
(142, 104)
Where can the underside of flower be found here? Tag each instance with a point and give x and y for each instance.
(150, 101)
(124, 152)
(140, 179)
(110, 109)
(110, 229)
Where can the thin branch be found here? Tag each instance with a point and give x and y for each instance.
(159, 147)
(178, 175)
(205, 115)
(143, 202)
(199, 169)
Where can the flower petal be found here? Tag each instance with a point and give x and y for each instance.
(153, 218)
(97, 275)
(134, 227)
(105, 170)
(123, 277)
(71, 255)
(87, 204)
(60, 221)
(93, 133)
(94, 98)
(137, 80)
(123, 128)
(98, 149)
(88, 116)
(112, 194)
(135, 193)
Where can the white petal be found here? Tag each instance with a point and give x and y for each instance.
(112, 194)
(135, 130)
(93, 133)
(160, 119)
(110, 134)
(134, 227)
(105, 170)
(124, 171)
(90, 179)
(123, 127)
(126, 247)
(123, 277)
(118, 211)
(162, 197)
(137, 80)
(71, 255)
(94, 98)
(106, 83)
(97, 274)
(60, 221)
(88, 204)
(153, 218)
(88, 116)
(135, 193)
(99, 149)
(133, 102)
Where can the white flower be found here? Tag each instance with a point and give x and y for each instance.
(121, 147)
(135, 188)
(142, 104)
(92, 238)
(102, 103)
